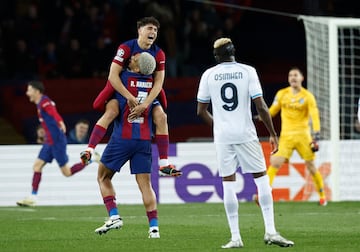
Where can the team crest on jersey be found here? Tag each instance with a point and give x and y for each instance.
(119, 55)
(301, 101)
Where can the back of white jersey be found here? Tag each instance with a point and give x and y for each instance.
(230, 86)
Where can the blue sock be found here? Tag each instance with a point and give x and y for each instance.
(113, 211)
(154, 222)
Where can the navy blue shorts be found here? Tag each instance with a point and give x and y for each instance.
(118, 152)
(57, 151)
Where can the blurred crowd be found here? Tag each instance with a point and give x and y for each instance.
(78, 38)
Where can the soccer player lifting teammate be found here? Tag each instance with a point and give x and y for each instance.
(131, 141)
(147, 34)
(231, 86)
(297, 106)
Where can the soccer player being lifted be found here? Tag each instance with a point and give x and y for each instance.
(147, 33)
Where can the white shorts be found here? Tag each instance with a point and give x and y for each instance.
(249, 156)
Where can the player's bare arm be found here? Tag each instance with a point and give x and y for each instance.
(159, 77)
(265, 116)
(62, 126)
(114, 78)
(202, 111)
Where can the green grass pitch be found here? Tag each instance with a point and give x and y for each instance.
(183, 227)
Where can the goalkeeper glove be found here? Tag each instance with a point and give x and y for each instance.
(314, 144)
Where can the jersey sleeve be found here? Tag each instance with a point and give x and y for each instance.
(122, 56)
(160, 60)
(49, 107)
(276, 105)
(314, 113)
(203, 94)
(255, 89)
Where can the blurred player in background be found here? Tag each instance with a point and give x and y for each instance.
(131, 141)
(54, 145)
(147, 33)
(297, 107)
(80, 133)
(231, 86)
(40, 134)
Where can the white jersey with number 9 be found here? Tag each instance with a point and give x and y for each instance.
(230, 86)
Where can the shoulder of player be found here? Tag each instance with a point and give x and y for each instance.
(283, 91)
(306, 92)
(46, 101)
(45, 98)
(129, 43)
(244, 65)
(210, 70)
(247, 68)
(157, 52)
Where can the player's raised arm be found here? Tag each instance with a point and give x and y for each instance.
(114, 78)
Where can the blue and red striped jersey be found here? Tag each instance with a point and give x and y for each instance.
(49, 119)
(131, 47)
(141, 128)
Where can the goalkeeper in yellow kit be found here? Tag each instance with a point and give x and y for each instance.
(297, 106)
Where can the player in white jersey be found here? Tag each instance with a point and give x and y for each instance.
(231, 87)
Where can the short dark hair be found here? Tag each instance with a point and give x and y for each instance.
(148, 20)
(84, 121)
(37, 85)
(297, 69)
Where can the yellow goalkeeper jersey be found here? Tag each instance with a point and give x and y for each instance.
(297, 111)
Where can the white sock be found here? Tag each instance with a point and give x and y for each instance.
(91, 150)
(114, 217)
(266, 203)
(154, 228)
(33, 197)
(231, 205)
(163, 162)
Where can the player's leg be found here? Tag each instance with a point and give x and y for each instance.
(276, 161)
(68, 170)
(162, 142)
(266, 204)
(140, 165)
(251, 160)
(100, 128)
(31, 199)
(286, 147)
(318, 181)
(105, 95)
(231, 206)
(267, 208)
(58, 151)
(107, 190)
(228, 164)
(149, 199)
(275, 164)
(305, 151)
